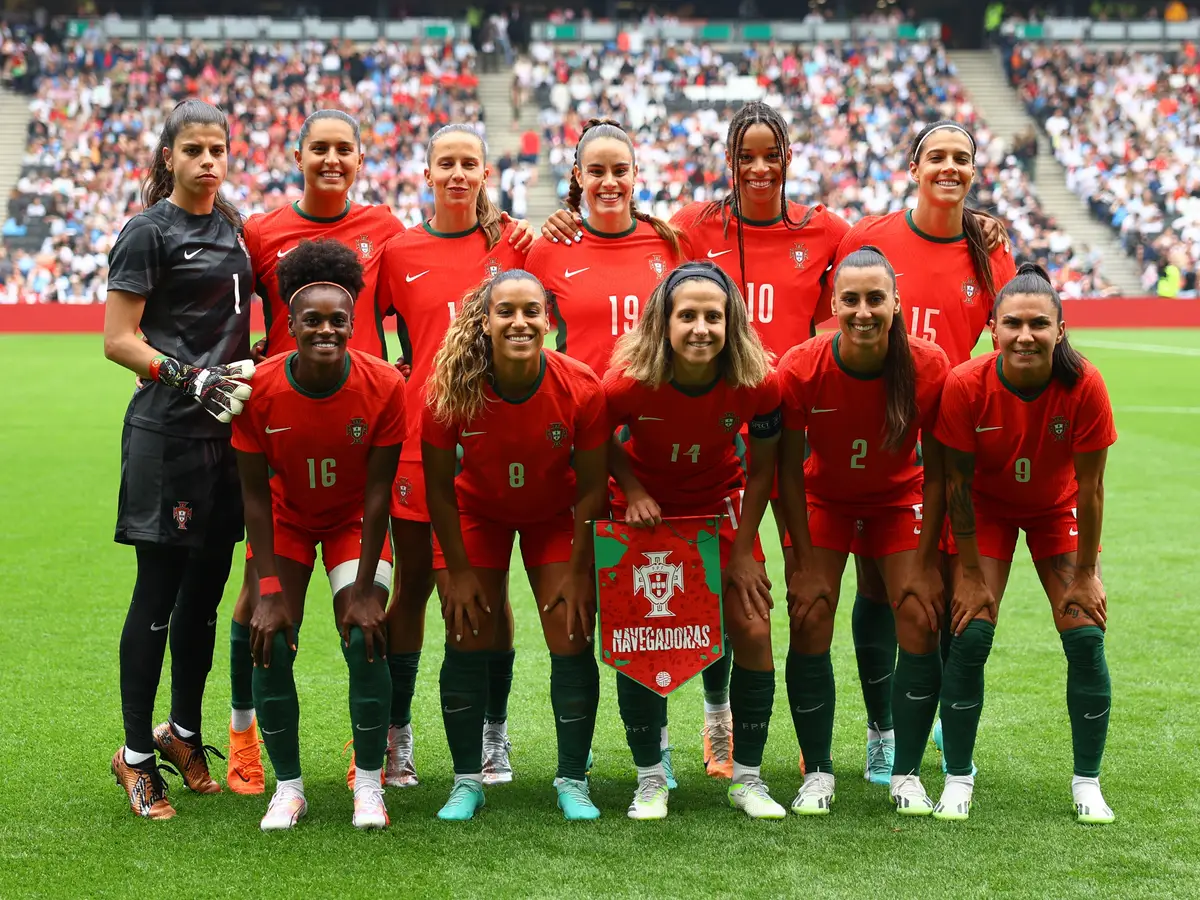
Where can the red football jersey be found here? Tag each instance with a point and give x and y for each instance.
(317, 445)
(600, 287)
(426, 274)
(516, 457)
(1024, 446)
(272, 236)
(844, 414)
(942, 299)
(785, 269)
(684, 445)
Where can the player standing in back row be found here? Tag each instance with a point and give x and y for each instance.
(179, 274)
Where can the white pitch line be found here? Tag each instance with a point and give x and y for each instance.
(1166, 410)
(1136, 348)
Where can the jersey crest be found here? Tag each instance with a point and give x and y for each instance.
(403, 489)
(1059, 426)
(799, 254)
(492, 266)
(729, 421)
(182, 514)
(658, 265)
(364, 246)
(557, 433)
(657, 581)
(357, 429)
(970, 290)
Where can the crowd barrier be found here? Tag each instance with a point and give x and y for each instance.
(1100, 312)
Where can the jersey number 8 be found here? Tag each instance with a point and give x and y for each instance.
(516, 475)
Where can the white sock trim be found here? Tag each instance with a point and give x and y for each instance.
(294, 785)
(664, 740)
(181, 731)
(645, 772)
(241, 719)
(133, 758)
(712, 709)
(364, 777)
(477, 777)
(741, 773)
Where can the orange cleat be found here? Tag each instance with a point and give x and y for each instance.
(145, 786)
(802, 772)
(349, 772)
(718, 744)
(191, 759)
(245, 772)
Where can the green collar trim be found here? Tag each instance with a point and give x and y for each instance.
(450, 235)
(533, 389)
(908, 217)
(837, 358)
(609, 235)
(1025, 396)
(324, 220)
(293, 358)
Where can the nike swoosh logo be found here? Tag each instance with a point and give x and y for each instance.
(649, 419)
(979, 428)
(411, 278)
(372, 728)
(460, 709)
(1097, 715)
(276, 731)
(187, 255)
(282, 253)
(1074, 532)
(211, 622)
(472, 433)
(960, 706)
(567, 273)
(909, 695)
(878, 680)
(271, 430)
(712, 255)
(569, 721)
(161, 627)
(813, 709)
(814, 410)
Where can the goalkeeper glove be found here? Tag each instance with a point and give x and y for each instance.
(216, 388)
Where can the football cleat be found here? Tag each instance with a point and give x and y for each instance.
(1090, 808)
(349, 745)
(244, 774)
(650, 798)
(145, 786)
(497, 767)
(369, 810)
(466, 797)
(881, 751)
(816, 795)
(287, 807)
(955, 803)
(574, 800)
(669, 769)
(909, 796)
(398, 768)
(718, 744)
(752, 797)
(191, 758)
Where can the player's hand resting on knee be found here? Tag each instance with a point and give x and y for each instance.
(463, 597)
(364, 612)
(1087, 594)
(923, 586)
(746, 579)
(806, 588)
(971, 597)
(270, 618)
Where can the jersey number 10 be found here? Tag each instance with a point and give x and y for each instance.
(760, 304)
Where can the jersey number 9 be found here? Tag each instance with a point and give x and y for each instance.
(328, 476)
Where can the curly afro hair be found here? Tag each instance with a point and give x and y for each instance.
(326, 259)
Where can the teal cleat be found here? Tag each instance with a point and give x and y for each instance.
(881, 751)
(465, 798)
(587, 769)
(666, 763)
(574, 800)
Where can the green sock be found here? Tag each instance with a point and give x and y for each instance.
(241, 667)
(962, 695)
(574, 696)
(278, 709)
(918, 684)
(811, 696)
(751, 695)
(403, 668)
(716, 677)
(464, 695)
(874, 629)
(643, 713)
(1089, 696)
(370, 702)
(500, 669)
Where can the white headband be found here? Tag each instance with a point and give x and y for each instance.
(297, 291)
(948, 126)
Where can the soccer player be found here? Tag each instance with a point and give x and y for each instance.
(857, 399)
(316, 457)
(527, 432)
(598, 290)
(1027, 430)
(426, 273)
(179, 274)
(947, 298)
(682, 383)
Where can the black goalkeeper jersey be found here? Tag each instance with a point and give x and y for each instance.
(195, 274)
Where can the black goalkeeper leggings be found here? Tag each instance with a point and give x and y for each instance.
(177, 593)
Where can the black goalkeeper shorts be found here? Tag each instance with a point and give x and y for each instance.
(179, 491)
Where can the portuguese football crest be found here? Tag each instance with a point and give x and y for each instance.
(557, 433)
(403, 490)
(492, 266)
(658, 264)
(799, 255)
(357, 429)
(1059, 426)
(364, 245)
(182, 515)
(658, 593)
(970, 290)
(728, 421)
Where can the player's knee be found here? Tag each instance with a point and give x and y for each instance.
(744, 632)
(973, 646)
(913, 619)
(1084, 646)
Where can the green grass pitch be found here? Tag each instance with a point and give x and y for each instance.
(66, 830)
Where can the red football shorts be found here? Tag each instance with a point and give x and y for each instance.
(730, 507)
(408, 492)
(489, 543)
(870, 532)
(1047, 535)
(340, 551)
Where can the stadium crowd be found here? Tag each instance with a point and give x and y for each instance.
(1125, 124)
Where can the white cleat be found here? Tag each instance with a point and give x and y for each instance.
(752, 798)
(497, 768)
(1090, 808)
(399, 770)
(816, 795)
(650, 798)
(369, 811)
(955, 802)
(909, 796)
(287, 807)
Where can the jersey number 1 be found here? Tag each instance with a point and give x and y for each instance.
(237, 293)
